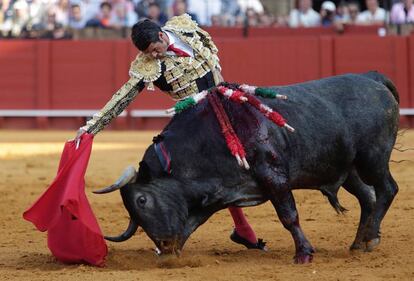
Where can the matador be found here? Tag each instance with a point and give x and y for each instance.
(181, 60)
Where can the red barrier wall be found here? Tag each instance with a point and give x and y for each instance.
(85, 74)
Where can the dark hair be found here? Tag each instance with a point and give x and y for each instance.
(107, 4)
(154, 4)
(144, 33)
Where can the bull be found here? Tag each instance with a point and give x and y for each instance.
(346, 127)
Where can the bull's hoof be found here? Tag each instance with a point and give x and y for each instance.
(260, 245)
(372, 244)
(303, 258)
(356, 246)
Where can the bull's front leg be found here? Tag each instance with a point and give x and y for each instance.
(276, 186)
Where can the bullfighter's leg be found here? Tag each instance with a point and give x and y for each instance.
(280, 194)
(366, 197)
(243, 233)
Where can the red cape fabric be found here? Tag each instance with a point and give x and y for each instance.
(64, 212)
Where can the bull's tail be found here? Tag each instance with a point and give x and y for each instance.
(378, 77)
(333, 200)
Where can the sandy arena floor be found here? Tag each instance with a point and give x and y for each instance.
(28, 163)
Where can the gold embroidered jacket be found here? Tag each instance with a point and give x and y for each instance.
(172, 74)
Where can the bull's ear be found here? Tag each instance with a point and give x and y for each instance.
(144, 173)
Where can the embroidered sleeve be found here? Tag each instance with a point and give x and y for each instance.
(119, 101)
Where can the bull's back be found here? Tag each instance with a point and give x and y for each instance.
(352, 102)
(334, 118)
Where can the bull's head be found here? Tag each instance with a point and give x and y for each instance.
(166, 210)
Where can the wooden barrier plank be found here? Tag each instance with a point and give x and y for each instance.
(358, 54)
(85, 74)
(43, 75)
(17, 74)
(326, 61)
(401, 65)
(410, 74)
(121, 66)
(82, 73)
(270, 61)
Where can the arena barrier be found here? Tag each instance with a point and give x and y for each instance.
(59, 84)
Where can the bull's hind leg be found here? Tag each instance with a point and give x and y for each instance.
(280, 194)
(375, 171)
(385, 191)
(366, 198)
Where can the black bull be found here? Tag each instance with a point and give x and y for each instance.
(346, 127)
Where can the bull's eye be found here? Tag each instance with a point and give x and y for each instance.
(142, 200)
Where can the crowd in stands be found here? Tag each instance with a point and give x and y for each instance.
(53, 18)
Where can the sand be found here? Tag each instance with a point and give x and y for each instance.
(28, 163)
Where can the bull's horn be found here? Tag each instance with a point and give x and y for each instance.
(132, 228)
(128, 176)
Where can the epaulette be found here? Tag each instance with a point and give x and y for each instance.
(182, 23)
(146, 68)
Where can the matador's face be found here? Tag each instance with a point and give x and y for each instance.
(158, 49)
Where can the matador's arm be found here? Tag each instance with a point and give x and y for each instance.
(119, 101)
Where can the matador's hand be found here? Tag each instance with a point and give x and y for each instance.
(77, 139)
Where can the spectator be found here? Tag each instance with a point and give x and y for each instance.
(156, 15)
(6, 10)
(353, 10)
(58, 33)
(373, 15)
(35, 31)
(304, 16)
(230, 7)
(252, 17)
(229, 10)
(49, 22)
(266, 19)
(239, 21)
(89, 8)
(402, 12)
(204, 9)
(14, 25)
(76, 20)
(180, 7)
(103, 18)
(123, 14)
(62, 10)
(141, 8)
(342, 13)
(281, 21)
(37, 11)
(328, 13)
(216, 20)
(143, 5)
(255, 5)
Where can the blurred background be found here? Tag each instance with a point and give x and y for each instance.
(61, 60)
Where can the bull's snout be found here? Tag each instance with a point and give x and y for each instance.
(168, 247)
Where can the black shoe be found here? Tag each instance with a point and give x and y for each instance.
(261, 245)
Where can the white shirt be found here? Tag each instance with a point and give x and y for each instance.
(178, 43)
(256, 5)
(367, 17)
(204, 9)
(308, 19)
